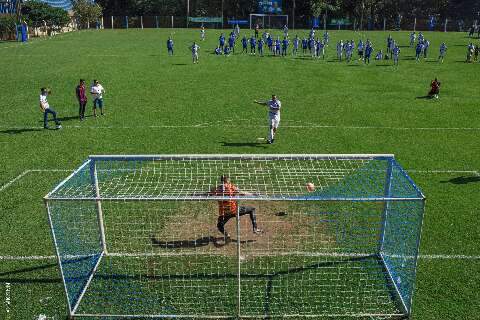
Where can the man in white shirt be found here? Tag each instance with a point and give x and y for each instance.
(45, 108)
(97, 92)
(274, 106)
(194, 49)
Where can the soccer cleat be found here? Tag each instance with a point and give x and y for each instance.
(59, 126)
(257, 231)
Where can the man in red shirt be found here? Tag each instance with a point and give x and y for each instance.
(228, 209)
(82, 99)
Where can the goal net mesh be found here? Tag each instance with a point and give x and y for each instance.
(152, 247)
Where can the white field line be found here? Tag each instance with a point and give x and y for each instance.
(337, 255)
(233, 125)
(24, 173)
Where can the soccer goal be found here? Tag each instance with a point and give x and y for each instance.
(268, 21)
(137, 237)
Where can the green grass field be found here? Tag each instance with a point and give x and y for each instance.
(157, 104)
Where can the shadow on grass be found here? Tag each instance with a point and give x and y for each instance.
(62, 119)
(179, 64)
(7, 276)
(20, 130)
(245, 144)
(463, 180)
(427, 97)
(196, 243)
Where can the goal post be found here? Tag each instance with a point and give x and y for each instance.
(340, 236)
(268, 21)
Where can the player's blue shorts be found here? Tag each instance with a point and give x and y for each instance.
(98, 102)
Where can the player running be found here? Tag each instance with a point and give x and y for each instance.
(274, 105)
(228, 209)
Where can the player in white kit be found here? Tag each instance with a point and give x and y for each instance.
(202, 33)
(274, 106)
(194, 49)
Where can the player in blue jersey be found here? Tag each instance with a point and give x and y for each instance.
(218, 51)
(421, 38)
(226, 50)
(285, 43)
(296, 42)
(244, 44)
(326, 38)
(304, 45)
(418, 51)
(368, 52)
(221, 41)
(396, 54)
(260, 46)
(253, 45)
(360, 48)
(231, 43)
(270, 43)
(170, 46)
(389, 43)
(278, 46)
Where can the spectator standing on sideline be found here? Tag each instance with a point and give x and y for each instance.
(82, 99)
(97, 92)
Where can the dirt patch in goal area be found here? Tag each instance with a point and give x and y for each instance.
(286, 228)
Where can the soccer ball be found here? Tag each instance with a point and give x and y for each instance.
(310, 187)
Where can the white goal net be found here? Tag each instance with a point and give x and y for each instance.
(167, 236)
(268, 21)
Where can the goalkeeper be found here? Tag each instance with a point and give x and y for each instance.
(227, 209)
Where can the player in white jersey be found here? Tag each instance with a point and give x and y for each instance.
(285, 31)
(443, 51)
(194, 49)
(45, 108)
(202, 33)
(274, 105)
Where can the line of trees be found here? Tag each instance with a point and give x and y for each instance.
(339, 8)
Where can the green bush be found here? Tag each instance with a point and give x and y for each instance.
(36, 13)
(7, 27)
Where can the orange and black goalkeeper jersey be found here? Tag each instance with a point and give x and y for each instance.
(227, 206)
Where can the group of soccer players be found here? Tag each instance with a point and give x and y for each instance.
(316, 48)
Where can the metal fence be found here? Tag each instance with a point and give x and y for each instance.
(300, 22)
